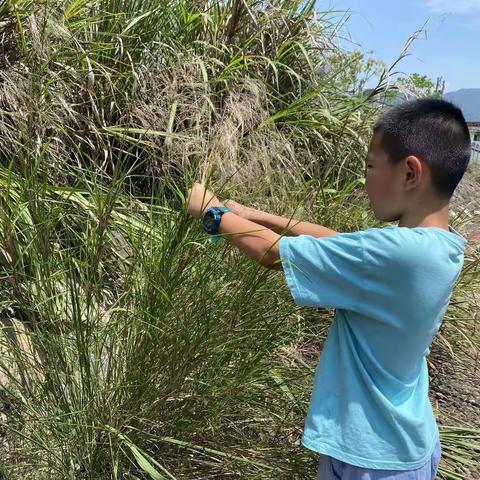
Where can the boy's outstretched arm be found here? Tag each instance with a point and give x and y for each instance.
(287, 226)
(254, 240)
(257, 241)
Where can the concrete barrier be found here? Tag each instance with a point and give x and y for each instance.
(475, 152)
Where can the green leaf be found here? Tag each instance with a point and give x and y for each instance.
(136, 20)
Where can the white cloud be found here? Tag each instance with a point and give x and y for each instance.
(461, 7)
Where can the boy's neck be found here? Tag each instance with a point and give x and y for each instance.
(426, 216)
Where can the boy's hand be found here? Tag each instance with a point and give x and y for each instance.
(238, 208)
(199, 199)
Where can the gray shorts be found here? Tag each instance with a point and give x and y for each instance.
(332, 469)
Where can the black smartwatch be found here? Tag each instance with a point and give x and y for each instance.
(211, 219)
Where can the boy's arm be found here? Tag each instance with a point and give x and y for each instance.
(279, 224)
(259, 243)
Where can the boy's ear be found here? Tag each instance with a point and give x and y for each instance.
(414, 171)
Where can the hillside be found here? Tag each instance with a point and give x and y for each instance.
(468, 99)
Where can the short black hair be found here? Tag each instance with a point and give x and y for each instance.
(433, 130)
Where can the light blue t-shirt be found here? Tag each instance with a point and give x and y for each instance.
(391, 287)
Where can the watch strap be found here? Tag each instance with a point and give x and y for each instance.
(222, 210)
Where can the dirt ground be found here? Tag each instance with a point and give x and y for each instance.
(467, 200)
(454, 379)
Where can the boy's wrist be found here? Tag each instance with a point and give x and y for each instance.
(213, 203)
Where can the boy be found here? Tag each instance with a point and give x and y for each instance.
(370, 417)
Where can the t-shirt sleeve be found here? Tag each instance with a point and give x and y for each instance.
(324, 272)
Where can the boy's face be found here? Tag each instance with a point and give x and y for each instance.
(384, 183)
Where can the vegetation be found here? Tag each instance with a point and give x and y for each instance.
(131, 346)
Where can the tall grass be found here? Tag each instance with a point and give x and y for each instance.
(96, 357)
(244, 87)
(131, 346)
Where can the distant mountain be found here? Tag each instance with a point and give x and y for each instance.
(468, 99)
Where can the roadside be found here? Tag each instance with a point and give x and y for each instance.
(455, 359)
(467, 200)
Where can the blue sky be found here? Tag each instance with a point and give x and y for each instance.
(449, 46)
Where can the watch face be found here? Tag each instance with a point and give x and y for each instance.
(208, 219)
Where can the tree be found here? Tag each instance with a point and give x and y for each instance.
(417, 86)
